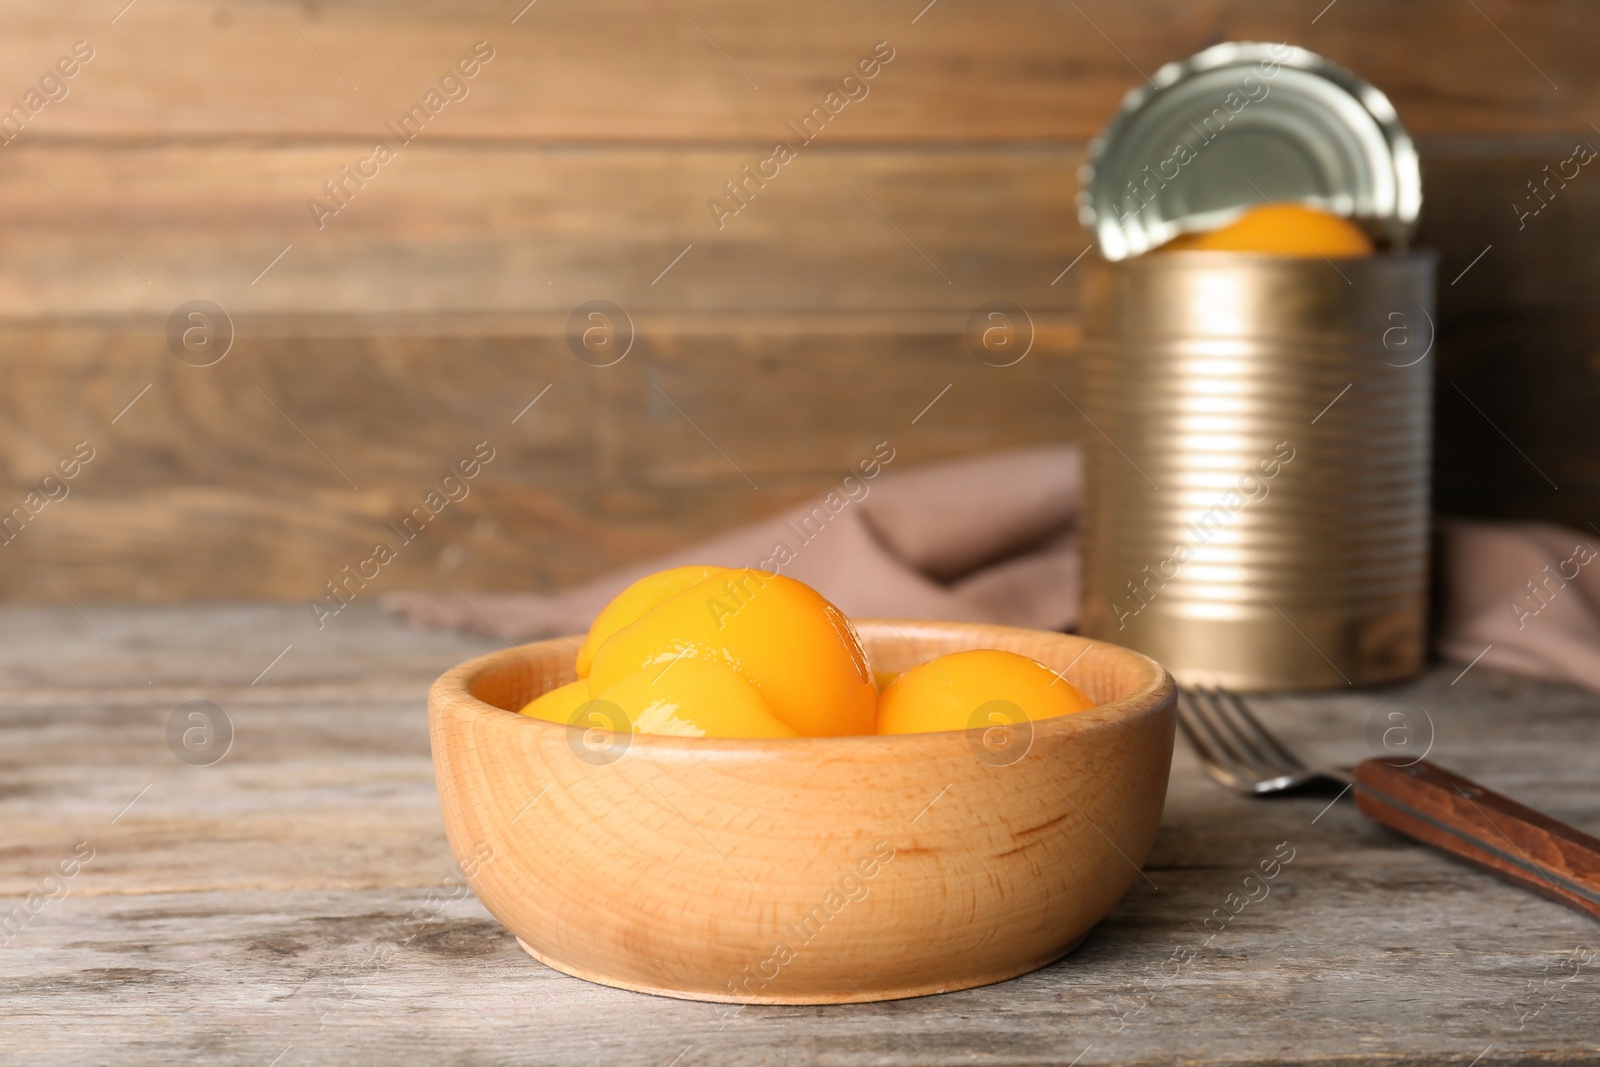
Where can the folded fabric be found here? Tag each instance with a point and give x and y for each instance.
(996, 539)
(1521, 596)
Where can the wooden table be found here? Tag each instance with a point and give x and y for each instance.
(289, 904)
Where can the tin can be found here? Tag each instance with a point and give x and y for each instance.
(1259, 465)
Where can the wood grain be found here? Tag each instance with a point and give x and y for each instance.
(514, 228)
(1011, 70)
(1519, 342)
(226, 480)
(1438, 806)
(1363, 935)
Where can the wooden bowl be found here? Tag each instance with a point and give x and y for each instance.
(807, 870)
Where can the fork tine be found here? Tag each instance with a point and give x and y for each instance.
(1201, 746)
(1264, 736)
(1216, 723)
(1213, 752)
(1215, 766)
(1223, 704)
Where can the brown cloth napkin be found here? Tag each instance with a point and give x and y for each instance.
(995, 539)
(1521, 596)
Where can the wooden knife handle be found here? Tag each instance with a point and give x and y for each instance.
(1443, 809)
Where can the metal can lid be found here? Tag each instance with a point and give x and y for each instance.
(1242, 124)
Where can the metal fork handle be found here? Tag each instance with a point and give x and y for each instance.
(1441, 808)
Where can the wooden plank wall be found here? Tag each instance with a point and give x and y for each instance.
(370, 355)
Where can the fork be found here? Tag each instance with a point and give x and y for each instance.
(1419, 799)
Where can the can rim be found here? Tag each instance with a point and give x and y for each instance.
(1399, 225)
(1191, 256)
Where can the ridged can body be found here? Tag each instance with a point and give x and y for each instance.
(1259, 465)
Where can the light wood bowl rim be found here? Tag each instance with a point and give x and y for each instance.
(452, 694)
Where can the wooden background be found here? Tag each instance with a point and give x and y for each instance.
(774, 354)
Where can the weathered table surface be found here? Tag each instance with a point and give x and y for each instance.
(235, 913)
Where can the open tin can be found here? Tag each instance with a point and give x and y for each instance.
(1258, 485)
